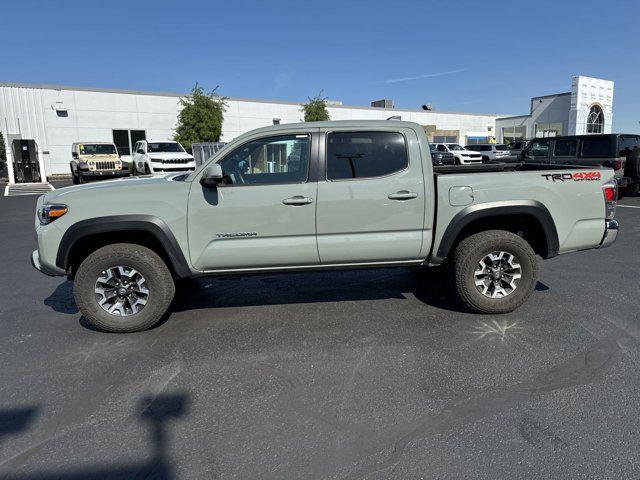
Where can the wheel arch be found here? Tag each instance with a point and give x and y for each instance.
(527, 217)
(86, 236)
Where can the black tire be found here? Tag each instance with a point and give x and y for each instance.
(485, 159)
(159, 282)
(147, 171)
(74, 176)
(466, 258)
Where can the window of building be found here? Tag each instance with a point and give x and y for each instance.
(628, 144)
(595, 120)
(548, 129)
(597, 147)
(365, 154)
(125, 139)
(476, 140)
(514, 134)
(445, 139)
(565, 148)
(271, 160)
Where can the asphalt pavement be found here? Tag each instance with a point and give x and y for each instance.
(335, 375)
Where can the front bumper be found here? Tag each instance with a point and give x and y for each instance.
(35, 263)
(610, 233)
(104, 173)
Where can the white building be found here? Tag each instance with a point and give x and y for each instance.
(40, 122)
(586, 109)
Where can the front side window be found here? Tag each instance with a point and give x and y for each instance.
(365, 154)
(595, 120)
(565, 148)
(628, 145)
(271, 160)
(539, 148)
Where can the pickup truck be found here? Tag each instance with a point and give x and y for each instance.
(313, 196)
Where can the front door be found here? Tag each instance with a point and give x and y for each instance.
(263, 215)
(371, 201)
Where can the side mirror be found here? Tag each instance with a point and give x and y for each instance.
(211, 176)
(74, 155)
(140, 151)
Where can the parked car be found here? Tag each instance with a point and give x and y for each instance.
(366, 197)
(95, 161)
(461, 154)
(163, 156)
(491, 152)
(441, 158)
(585, 150)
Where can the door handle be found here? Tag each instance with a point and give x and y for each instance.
(403, 195)
(297, 200)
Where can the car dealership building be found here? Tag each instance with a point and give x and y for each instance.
(41, 122)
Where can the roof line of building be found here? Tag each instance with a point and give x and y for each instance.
(45, 86)
(551, 95)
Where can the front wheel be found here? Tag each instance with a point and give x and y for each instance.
(123, 287)
(494, 271)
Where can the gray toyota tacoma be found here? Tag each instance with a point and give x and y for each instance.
(315, 196)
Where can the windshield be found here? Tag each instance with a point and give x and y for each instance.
(159, 147)
(455, 146)
(502, 147)
(97, 149)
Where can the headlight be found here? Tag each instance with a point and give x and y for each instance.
(49, 213)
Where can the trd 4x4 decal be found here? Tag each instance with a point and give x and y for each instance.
(578, 176)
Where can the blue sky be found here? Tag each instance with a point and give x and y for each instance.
(458, 55)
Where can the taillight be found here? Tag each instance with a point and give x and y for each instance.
(610, 192)
(617, 164)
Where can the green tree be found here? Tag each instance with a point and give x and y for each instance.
(315, 110)
(201, 117)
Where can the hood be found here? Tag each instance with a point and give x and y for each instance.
(98, 158)
(170, 155)
(62, 195)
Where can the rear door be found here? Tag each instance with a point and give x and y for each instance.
(264, 215)
(371, 197)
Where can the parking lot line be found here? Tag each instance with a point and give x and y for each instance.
(628, 206)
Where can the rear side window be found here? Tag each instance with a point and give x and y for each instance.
(365, 154)
(566, 148)
(485, 148)
(502, 148)
(596, 147)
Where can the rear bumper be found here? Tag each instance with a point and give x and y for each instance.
(610, 233)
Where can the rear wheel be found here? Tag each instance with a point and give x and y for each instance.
(494, 271)
(147, 171)
(123, 288)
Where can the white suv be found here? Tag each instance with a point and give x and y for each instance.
(461, 154)
(161, 156)
(491, 151)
